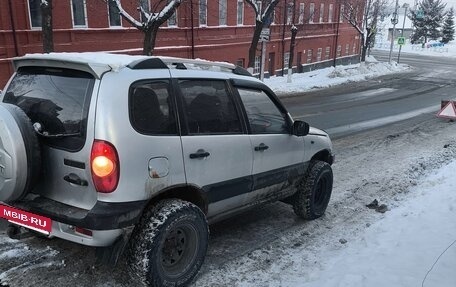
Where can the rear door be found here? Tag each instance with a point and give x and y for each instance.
(277, 154)
(216, 148)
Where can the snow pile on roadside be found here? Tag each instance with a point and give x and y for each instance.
(447, 50)
(413, 244)
(333, 76)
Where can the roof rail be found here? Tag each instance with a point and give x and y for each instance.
(181, 63)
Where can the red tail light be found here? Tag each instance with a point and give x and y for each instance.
(104, 164)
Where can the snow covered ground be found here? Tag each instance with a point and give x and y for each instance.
(409, 166)
(331, 76)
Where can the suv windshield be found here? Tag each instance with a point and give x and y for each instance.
(56, 98)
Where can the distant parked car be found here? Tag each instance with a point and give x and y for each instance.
(110, 150)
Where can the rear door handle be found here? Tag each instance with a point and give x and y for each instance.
(75, 179)
(201, 153)
(261, 147)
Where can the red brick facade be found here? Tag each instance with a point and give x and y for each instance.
(213, 42)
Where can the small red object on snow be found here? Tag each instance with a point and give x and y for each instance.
(448, 110)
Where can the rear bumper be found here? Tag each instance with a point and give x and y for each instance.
(104, 216)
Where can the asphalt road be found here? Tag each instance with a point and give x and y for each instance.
(347, 109)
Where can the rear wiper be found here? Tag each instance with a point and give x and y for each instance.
(39, 130)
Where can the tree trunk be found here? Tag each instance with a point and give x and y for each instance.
(147, 46)
(153, 37)
(254, 44)
(46, 26)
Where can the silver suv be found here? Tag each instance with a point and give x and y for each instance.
(139, 153)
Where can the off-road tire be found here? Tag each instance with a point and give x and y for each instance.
(314, 191)
(32, 150)
(146, 255)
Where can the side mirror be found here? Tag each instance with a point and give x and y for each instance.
(300, 128)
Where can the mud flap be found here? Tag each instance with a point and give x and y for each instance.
(110, 255)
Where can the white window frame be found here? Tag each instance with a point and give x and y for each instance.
(311, 12)
(341, 12)
(347, 49)
(240, 4)
(223, 4)
(30, 17)
(322, 13)
(109, 20)
(286, 59)
(289, 13)
(257, 65)
(309, 56)
(201, 24)
(84, 2)
(302, 10)
(319, 53)
(354, 49)
(330, 13)
(327, 52)
(174, 15)
(339, 51)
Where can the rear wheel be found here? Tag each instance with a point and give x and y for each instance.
(314, 191)
(168, 247)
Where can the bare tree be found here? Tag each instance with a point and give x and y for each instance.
(46, 26)
(150, 21)
(367, 25)
(261, 18)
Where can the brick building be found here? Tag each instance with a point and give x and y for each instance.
(211, 29)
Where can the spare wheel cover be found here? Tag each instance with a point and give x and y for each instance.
(19, 153)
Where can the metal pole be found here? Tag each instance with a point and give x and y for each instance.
(263, 56)
(193, 32)
(402, 35)
(13, 29)
(283, 37)
(394, 20)
(337, 36)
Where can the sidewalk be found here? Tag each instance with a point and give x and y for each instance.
(414, 244)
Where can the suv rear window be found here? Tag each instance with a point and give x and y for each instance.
(56, 98)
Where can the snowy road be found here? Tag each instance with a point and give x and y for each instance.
(270, 246)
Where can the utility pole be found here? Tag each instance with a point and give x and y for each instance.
(337, 33)
(394, 22)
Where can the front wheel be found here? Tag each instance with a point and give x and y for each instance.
(168, 246)
(314, 191)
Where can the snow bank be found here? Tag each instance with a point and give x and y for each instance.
(333, 76)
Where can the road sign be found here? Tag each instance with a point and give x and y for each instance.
(448, 111)
(401, 41)
(265, 33)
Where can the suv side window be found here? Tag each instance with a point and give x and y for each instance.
(264, 116)
(151, 109)
(209, 108)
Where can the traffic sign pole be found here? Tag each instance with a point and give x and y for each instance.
(402, 35)
(394, 22)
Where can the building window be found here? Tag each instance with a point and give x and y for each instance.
(289, 14)
(327, 52)
(257, 65)
(354, 48)
(240, 62)
(286, 59)
(35, 13)
(320, 50)
(203, 12)
(341, 16)
(114, 15)
(240, 12)
(172, 20)
(347, 49)
(311, 12)
(309, 56)
(330, 13)
(78, 10)
(339, 50)
(222, 12)
(322, 12)
(301, 13)
(144, 4)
